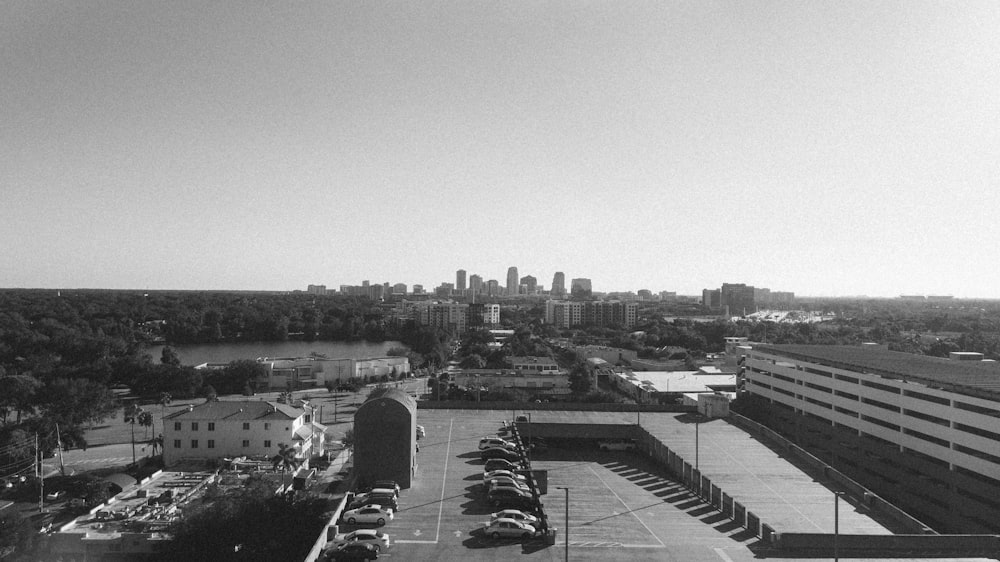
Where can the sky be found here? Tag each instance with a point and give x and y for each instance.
(825, 148)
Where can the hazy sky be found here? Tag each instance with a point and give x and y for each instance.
(825, 148)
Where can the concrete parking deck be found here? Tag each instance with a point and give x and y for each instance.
(622, 506)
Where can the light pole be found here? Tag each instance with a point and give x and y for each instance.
(566, 521)
(836, 526)
(697, 425)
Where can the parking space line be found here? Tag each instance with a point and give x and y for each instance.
(631, 512)
(444, 480)
(722, 554)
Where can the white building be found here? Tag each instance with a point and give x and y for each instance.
(651, 387)
(220, 429)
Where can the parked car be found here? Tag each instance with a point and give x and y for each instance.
(353, 551)
(506, 481)
(616, 445)
(516, 515)
(378, 490)
(488, 442)
(500, 464)
(421, 432)
(497, 473)
(55, 495)
(378, 539)
(369, 514)
(499, 453)
(391, 484)
(509, 528)
(510, 498)
(384, 500)
(522, 419)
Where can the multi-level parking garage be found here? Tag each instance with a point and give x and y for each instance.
(622, 505)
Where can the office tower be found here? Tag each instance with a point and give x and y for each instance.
(317, 289)
(580, 288)
(512, 280)
(476, 284)
(418, 289)
(399, 289)
(530, 284)
(493, 288)
(460, 280)
(559, 283)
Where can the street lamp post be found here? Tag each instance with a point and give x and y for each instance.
(697, 425)
(836, 527)
(566, 521)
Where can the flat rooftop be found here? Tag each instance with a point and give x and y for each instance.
(973, 376)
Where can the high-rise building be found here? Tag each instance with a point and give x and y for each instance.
(559, 284)
(476, 284)
(530, 284)
(399, 289)
(512, 281)
(317, 289)
(737, 299)
(493, 288)
(418, 289)
(460, 280)
(581, 288)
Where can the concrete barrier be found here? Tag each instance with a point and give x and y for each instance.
(767, 533)
(739, 514)
(753, 523)
(716, 497)
(727, 505)
(890, 545)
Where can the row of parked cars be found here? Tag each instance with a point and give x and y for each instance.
(507, 487)
(377, 507)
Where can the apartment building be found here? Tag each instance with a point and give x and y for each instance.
(565, 314)
(922, 432)
(219, 429)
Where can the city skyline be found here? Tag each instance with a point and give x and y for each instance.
(823, 148)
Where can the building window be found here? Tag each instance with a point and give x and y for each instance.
(267, 444)
(177, 426)
(267, 426)
(246, 442)
(177, 443)
(194, 443)
(246, 426)
(211, 443)
(211, 426)
(194, 426)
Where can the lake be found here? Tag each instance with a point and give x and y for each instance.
(197, 354)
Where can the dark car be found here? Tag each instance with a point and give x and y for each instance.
(354, 551)
(384, 500)
(498, 453)
(500, 464)
(510, 497)
(387, 484)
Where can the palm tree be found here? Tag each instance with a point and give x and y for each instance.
(156, 443)
(285, 459)
(165, 400)
(130, 416)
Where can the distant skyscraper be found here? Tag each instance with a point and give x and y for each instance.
(559, 283)
(460, 280)
(512, 280)
(580, 287)
(476, 283)
(493, 288)
(530, 284)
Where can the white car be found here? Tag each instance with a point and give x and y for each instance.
(421, 432)
(505, 482)
(509, 528)
(369, 514)
(487, 442)
(375, 538)
(516, 515)
(506, 473)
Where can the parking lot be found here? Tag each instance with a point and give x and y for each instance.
(621, 506)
